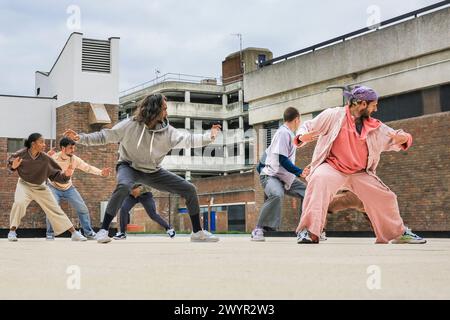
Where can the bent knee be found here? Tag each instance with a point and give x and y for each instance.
(191, 189)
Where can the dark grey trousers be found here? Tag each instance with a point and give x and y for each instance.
(161, 180)
(270, 214)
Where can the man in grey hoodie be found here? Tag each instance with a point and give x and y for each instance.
(145, 139)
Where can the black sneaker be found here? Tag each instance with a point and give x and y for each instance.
(120, 236)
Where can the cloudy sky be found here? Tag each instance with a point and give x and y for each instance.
(178, 36)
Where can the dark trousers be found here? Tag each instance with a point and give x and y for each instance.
(148, 203)
(161, 180)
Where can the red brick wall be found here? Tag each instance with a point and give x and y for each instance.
(231, 70)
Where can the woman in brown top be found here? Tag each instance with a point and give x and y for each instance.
(34, 168)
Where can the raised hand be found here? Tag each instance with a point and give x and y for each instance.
(16, 163)
(106, 172)
(215, 131)
(51, 152)
(299, 141)
(71, 135)
(398, 138)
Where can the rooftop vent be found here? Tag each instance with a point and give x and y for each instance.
(96, 56)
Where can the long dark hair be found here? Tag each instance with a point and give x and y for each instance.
(32, 138)
(149, 108)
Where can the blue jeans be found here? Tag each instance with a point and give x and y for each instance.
(74, 198)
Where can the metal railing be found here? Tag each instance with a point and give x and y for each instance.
(179, 77)
(413, 14)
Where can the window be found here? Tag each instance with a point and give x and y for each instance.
(262, 58)
(248, 154)
(213, 151)
(316, 113)
(15, 145)
(246, 125)
(233, 150)
(271, 128)
(204, 98)
(445, 98)
(233, 97)
(177, 152)
(236, 218)
(177, 123)
(233, 124)
(399, 107)
(175, 97)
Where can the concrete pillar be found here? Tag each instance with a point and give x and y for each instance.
(242, 153)
(225, 135)
(187, 123)
(187, 126)
(224, 100)
(241, 141)
(241, 96)
(187, 97)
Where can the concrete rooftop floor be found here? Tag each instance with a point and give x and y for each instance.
(156, 267)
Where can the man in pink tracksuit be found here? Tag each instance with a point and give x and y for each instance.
(346, 156)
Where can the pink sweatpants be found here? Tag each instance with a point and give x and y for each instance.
(380, 203)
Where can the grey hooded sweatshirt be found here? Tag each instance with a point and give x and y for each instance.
(142, 147)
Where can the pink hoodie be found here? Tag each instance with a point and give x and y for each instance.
(328, 125)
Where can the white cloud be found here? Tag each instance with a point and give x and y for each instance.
(190, 36)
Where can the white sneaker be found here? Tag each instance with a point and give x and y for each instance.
(102, 236)
(323, 236)
(303, 237)
(77, 236)
(258, 235)
(50, 237)
(12, 236)
(409, 238)
(203, 236)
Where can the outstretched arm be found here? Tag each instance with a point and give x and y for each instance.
(83, 166)
(312, 129)
(395, 140)
(184, 139)
(105, 136)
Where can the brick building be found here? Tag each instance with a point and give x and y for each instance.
(80, 92)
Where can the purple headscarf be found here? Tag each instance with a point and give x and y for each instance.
(361, 93)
